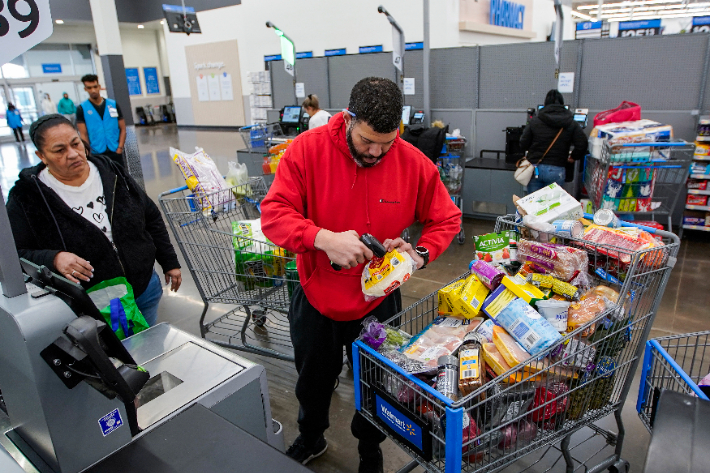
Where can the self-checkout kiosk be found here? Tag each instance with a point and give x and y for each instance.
(79, 399)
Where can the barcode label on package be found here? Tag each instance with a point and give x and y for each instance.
(531, 339)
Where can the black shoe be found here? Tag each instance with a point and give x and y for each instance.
(303, 453)
(371, 463)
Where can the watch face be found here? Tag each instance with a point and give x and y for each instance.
(421, 250)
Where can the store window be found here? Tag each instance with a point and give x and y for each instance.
(49, 60)
(81, 57)
(15, 69)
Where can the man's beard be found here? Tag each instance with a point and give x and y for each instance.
(360, 157)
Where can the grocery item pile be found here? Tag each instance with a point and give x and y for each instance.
(538, 318)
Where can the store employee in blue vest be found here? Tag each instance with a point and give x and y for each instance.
(100, 122)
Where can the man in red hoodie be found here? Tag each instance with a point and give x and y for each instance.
(335, 183)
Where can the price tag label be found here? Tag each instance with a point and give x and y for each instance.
(23, 24)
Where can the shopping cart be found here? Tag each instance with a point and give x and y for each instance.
(675, 362)
(452, 164)
(258, 277)
(266, 144)
(559, 402)
(638, 178)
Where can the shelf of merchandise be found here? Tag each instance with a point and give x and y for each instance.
(702, 139)
(700, 176)
(698, 192)
(701, 158)
(697, 227)
(704, 208)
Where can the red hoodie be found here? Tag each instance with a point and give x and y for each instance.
(318, 185)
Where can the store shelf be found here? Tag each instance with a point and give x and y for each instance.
(698, 192)
(698, 207)
(701, 158)
(702, 139)
(700, 176)
(697, 227)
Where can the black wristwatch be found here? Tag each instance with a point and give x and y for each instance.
(424, 254)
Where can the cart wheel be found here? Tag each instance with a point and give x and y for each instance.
(337, 383)
(405, 235)
(462, 237)
(621, 466)
(259, 318)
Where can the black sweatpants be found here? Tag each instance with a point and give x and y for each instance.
(18, 134)
(318, 347)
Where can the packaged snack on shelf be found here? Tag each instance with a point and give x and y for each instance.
(511, 350)
(525, 324)
(468, 300)
(693, 199)
(523, 289)
(493, 248)
(383, 275)
(203, 178)
(702, 149)
(445, 297)
(698, 184)
(441, 337)
(489, 275)
(562, 262)
(551, 203)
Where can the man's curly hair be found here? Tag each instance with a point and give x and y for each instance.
(378, 102)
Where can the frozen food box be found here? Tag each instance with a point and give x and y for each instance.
(523, 289)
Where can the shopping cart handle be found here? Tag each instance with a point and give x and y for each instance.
(652, 144)
(172, 191)
(626, 224)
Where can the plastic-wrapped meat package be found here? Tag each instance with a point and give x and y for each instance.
(442, 337)
(560, 261)
(627, 242)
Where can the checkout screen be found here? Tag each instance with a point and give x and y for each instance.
(291, 114)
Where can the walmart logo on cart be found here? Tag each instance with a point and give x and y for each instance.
(398, 422)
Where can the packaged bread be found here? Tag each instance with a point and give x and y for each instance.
(587, 309)
(560, 261)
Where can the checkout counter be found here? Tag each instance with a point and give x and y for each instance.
(80, 400)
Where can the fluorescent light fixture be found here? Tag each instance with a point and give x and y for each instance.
(140, 27)
(626, 4)
(581, 15)
(59, 22)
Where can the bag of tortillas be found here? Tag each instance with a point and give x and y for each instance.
(383, 275)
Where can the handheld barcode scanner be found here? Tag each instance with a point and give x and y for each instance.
(372, 243)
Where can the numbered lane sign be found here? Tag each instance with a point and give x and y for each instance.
(288, 68)
(23, 24)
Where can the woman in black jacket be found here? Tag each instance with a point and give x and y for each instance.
(85, 218)
(553, 120)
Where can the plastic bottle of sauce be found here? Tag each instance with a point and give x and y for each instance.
(447, 378)
(471, 364)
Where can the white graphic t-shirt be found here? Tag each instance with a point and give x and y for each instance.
(88, 200)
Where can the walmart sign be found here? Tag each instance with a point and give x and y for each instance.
(507, 14)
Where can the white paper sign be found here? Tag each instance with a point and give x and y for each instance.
(203, 94)
(565, 83)
(213, 86)
(225, 83)
(23, 25)
(409, 86)
(300, 90)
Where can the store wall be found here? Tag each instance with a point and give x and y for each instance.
(315, 26)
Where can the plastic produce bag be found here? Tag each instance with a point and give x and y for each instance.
(237, 175)
(382, 337)
(203, 178)
(383, 275)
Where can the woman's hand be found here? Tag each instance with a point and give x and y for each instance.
(73, 267)
(403, 247)
(174, 278)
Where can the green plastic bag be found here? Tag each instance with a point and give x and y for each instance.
(115, 300)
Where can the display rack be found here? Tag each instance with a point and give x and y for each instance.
(697, 202)
(260, 97)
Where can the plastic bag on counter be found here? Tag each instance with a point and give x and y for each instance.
(203, 178)
(383, 275)
(382, 337)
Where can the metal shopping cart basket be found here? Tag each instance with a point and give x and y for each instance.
(256, 276)
(559, 401)
(677, 363)
(452, 166)
(638, 178)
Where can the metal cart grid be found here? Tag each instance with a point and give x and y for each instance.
(676, 363)
(579, 404)
(639, 178)
(237, 271)
(452, 170)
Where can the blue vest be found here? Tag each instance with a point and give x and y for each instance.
(103, 131)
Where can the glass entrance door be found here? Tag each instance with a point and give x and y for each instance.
(24, 97)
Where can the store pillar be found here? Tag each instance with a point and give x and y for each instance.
(108, 39)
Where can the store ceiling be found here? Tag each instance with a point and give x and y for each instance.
(618, 10)
(129, 11)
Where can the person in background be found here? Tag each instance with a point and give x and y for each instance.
(100, 122)
(317, 116)
(48, 107)
(14, 121)
(335, 183)
(551, 133)
(62, 216)
(67, 108)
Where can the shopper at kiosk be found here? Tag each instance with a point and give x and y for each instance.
(318, 117)
(100, 121)
(85, 218)
(548, 137)
(335, 183)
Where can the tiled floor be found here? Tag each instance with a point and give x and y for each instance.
(684, 307)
